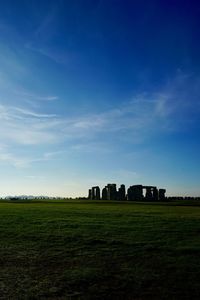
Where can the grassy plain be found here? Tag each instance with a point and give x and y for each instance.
(99, 250)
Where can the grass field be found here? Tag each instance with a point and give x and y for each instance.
(99, 250)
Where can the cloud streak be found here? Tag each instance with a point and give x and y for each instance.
(26, 127)
(144, 116)
(19, 160)
(35, 138)
(32, 96)
(16, 160)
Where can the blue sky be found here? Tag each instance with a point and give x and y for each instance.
(93, 92)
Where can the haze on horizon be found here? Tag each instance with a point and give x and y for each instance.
(93, 92)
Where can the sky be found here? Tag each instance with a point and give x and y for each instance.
(99, 91)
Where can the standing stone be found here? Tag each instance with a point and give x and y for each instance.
(97, 196)
(93, 193)
(155, 194)
(90, 194)
(162, 194)
(130, 195)
(122, 192)
(104, 194)
(148, 194)
(112, 191)
(134, 193)
(138, 195)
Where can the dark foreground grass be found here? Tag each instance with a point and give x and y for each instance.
(99, 250)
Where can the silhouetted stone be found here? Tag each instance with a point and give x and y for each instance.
(122, 192)
(130, 194)
(90, 194)
(162, 194)
(148, 195)
(138, 194)
(134, 193)
(111, 188)
(95, 193)
(155, 194)
(104, 194)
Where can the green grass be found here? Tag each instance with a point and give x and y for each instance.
(99, 250)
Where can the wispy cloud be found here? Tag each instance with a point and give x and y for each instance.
(58, 56)
(29, 113)
(32, 96)
(24, 126)
(140, 114)
(16, 160)
(144, 115)
(12, 63)
(91, 147)
(41, 41)
(54, 154)
(134, 121)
